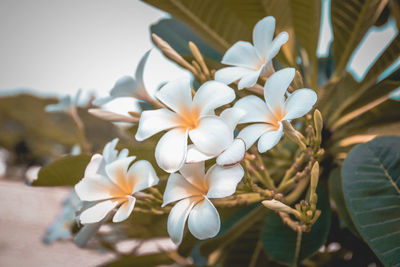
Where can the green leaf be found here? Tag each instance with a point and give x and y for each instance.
(142, 261)
(371, 180)
(178, 36)
(280, 241)
(65, 171)
(336, 193)
(306, 17)
(351, 19)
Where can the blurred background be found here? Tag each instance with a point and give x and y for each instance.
(50, 49)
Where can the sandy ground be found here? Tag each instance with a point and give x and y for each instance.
(25, 214)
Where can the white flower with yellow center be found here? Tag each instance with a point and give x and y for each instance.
(187, 117)
(252, 61)
(193, 188)
(235, 149)
(128, 86)
(110, 183)
(268, 116)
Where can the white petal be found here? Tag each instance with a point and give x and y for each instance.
(275, 89)
(97, 212)
(269, 139)
(102, 100)
(109, 151)
(178, 216)
(256, 109)
(204, 221)
(194, 155)
(97, 188)
(117, 172)
(140, 71)
(125, 86)
(242, 54)
(87, 232)
(233, 154)
(195, 174)
(155, 121)
(232, 116)
(124, 210)
(212, 135)
(223, 180)
(212, 95)
(177, 95)
(171, 150)
(93, 166)
(299, 103)
(123, 153)
(251, 133)
(178, 188)
(231, 74)
(111, 116)
(142, 175)
(276, 45)
(249, 80)
(262, 35)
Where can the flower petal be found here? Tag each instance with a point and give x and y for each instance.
(299, 103)
(86, 232)
(204, 221)
(178, 188)
(223, 180)
(124, 210)
(155, 121)
(178, 216)
(231, 74)
(109, 152)
(232, 116)
(142, 175)
(195, 174)
(93, 166)
(275, 89)
(251, 133)
(262, 35)
(97, 188)
(97, 212)
(117, 172)
(269, 139)
(171, 150)
(256, 109)
(141, 90)
(125, 86)
(233, 154)
(249, 79)
(194, 155)
(242, 54)
(212, 95)
(212, 135)
(276, 45)
(177, 95)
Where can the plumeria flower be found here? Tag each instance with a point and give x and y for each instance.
(187, 117)
(250, 62)
(66, 104)
(110, 183)
(193, 188)
(128, 86)
(234, 151)
(268, 116)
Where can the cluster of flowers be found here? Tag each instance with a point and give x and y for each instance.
(195, 134)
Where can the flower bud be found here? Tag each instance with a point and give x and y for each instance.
(294, 135)
(318, 124)
(278, 206)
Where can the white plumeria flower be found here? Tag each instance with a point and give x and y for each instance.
(268, 116)
(234, 151)
(66, 104)
(252, 61)
(110, 183)
(187, 118)
(128, 86)
(193, 188)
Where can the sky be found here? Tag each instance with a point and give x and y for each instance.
(56, 47)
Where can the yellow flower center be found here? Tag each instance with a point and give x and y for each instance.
(189, 118)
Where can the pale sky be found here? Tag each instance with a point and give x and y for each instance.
(57, 46)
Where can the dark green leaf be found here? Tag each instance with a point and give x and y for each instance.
(371, 180)
(65, 171)
(280, 241)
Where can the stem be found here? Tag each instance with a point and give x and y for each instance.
(267, 177)
(298, 246)
(255, 255)
(297, 191)
(81, 130)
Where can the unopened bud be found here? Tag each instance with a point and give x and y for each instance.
(298, 81)
(278, 206)
(294, 135)
(318, 124)
(197, 55)
(314, 179)
(111, 116)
